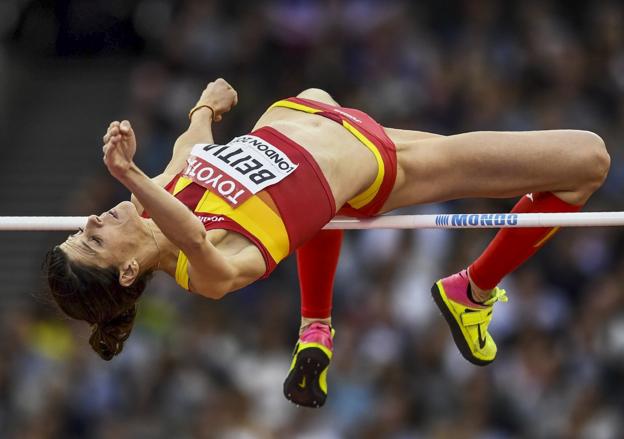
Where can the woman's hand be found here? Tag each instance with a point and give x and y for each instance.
(220, 96)
(119, 148)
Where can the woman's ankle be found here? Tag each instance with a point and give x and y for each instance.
(307, 321)
(477, 294)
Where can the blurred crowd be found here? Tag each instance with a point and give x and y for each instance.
(194, 368)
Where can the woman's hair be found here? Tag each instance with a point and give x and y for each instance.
(95, 295)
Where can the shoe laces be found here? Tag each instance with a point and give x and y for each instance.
(498, 295)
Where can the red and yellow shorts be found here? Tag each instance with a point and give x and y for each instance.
(373, 136)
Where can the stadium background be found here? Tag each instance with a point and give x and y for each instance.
(196, 368)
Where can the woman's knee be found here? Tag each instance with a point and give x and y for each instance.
(596, 159)
(317, 94)
(593, 163)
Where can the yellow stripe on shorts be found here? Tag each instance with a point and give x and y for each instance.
(370, 193)
(295, 106)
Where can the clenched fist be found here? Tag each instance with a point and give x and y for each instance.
(220, 96)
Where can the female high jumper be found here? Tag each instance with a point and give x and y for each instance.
(220, 217)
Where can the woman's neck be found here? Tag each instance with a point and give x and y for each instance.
(165, 253)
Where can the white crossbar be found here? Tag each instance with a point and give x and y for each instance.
(442, 221)
(482, 221)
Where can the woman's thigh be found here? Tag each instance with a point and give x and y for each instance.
(496, 165)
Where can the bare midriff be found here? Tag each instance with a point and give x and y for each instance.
(348, 166)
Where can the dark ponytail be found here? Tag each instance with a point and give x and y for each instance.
(107, 338)
(94, 295)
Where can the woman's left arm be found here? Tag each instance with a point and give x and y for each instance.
(217, 98)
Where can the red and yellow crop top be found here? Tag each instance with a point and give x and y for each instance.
(263, 185)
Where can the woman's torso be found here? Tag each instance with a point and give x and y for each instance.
(347, 165)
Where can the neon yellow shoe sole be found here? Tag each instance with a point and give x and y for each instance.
(306, 383)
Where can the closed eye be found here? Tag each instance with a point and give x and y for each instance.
(94, 238)
(73, 235)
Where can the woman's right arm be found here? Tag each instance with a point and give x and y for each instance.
(177, 222)
(183, 229)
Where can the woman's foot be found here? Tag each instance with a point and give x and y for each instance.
(467, 319)
(306, 383)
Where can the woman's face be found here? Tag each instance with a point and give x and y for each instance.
(109, 239)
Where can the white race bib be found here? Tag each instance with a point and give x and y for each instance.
(238, 170)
